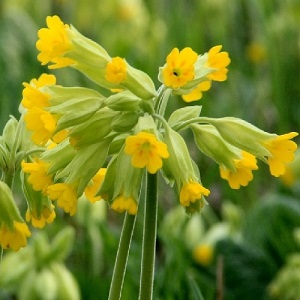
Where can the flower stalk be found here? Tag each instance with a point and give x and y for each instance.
(122, 258)
(149, 239)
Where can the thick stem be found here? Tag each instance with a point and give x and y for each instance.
(149, 239)
(122, 257)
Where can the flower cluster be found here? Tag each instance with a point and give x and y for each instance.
(97, 146)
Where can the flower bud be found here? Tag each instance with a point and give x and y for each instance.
(74, 105)
(123, 101)
(85, 164)
(94, 129)
(9, 132)
(124, 122)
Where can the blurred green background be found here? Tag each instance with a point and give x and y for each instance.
(252, 231)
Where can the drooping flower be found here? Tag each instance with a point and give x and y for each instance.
(65, 195)
(38, 178)
(191, 192)
(91, 189)
(282, 152)
(122, 203)
(54, 42)
(42, 123)
(146, 151)
(242, 174)
(33, 96)
(47, 216)
(14, 238)
(115, 71)
(196, 93)
(179, 68)
(219, 61)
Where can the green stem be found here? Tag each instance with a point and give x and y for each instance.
(149, 239)
(122, 257)
(192, 121)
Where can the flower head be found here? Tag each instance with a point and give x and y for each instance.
(14, 238)
(91, 190)
(115, 71)
(146, 151)
(192, 192)
(47, 216)
(242, 174)
(179, 68)
(38, 178)
(54, 42)
(65, 195)
(282, 152)
(42, 123)
(122, 203)
(33, 96)
(219, 61)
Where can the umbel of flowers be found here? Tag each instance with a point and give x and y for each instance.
(83, 141)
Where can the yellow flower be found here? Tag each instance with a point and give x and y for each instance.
(191, 192)
(94, 186)
(38, 178)
(218, 60)
(196, 93)
(32, 96)
(115, 71)
(243, 171)
(122, 203)
(146, 151)
(42, 123)
(179, 68)
(47, 216)
(65, 195)
(282, 152)
(54, 42)
(203, 254)
(14, 238)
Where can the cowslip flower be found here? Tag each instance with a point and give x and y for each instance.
(33, 96)
(65, 195)
(146, 151)
(123, 203)
(196, 93)
(282, 151)
(179, 68)
(14, 238)
(92, 188)
(41, 123)
(38, 174)
(191, 192)
(219, 61)
(242, 174)
(54, 42)
(115, 71)
(47, 216)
